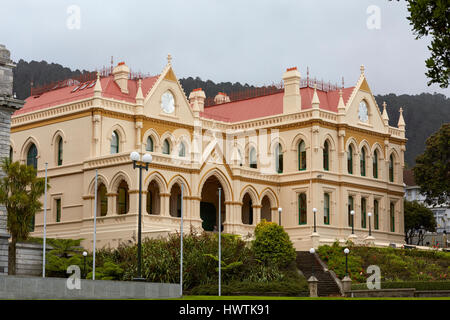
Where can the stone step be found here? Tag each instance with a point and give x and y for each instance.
(309, 264)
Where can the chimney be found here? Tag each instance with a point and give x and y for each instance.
(121, 73)
(197, 100)
(221, 98)
(292, 99)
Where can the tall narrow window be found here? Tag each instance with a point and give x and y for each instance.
(58, 210)
(32, 156)
(301, 155)
(103, 200)
(149, 202)
(326, 160)
(11, 154)
(302, 208)
(363, 212)
(375, 215)
(252, 158)
(182, 151)
(391, 168)
(60, 151)
(122, 198)
(375, 164)
(362, 162)
(392, 216)
(350, 160)
(114, 143)
(326, 208)
(350, 208)
(166, 147)
(279, 158)
(149, 145)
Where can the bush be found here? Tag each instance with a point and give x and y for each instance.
(272, 244)
(395, 264)
(287, 288)
(109, 271)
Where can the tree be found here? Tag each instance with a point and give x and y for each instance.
(432, 17)
(20, 190)
(272, 244)
(432, 170)
(418, 219)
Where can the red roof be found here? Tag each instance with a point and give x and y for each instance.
(408, 177)
(271, 104)
(110, 89)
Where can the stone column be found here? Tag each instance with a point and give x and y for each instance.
(313, 282)
(165, 204)
(347, 285)
(256, 213)
(111, 204)
(8, 105)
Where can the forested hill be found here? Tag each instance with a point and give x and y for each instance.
(424, 113)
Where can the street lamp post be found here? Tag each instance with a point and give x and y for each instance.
(146, 159)
(84, 258)
(312, 251)
(279, 216)
(370, 226)
(352, 213)
(314, 211)
(346, 251)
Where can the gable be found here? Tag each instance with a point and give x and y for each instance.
(168, 82)
(360, 93)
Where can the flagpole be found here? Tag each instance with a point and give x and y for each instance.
(181, 244)
(45, 223)
(95, 224)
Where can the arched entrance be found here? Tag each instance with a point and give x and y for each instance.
(209, 205)
(175, 201)
(266, 212)
(153, 198)
(247, 210)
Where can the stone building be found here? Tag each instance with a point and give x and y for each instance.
(300, 146)
(8, 104)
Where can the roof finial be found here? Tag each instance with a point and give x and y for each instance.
(342, 82)
(362, 69)
(98, 86)
(169, 58)
(385, 114)
(315, 100)
(401, 121)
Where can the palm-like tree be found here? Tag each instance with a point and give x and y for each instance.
(20, 190)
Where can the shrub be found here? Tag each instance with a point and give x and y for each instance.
(108, 271)
(272, 244)
(395, 264)
(287, 288)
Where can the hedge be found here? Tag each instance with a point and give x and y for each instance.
(282, 288)
(418, 285)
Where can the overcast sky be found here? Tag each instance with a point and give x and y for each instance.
(247, 41)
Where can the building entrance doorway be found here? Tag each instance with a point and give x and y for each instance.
(208, 216)
(209, 205)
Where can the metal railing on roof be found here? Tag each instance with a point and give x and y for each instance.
(274, 88)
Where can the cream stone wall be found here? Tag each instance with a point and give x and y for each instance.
(87, 131)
